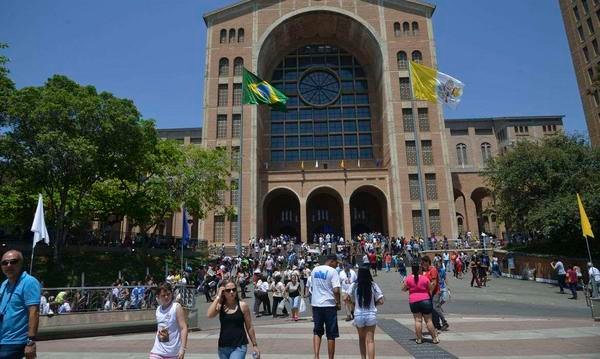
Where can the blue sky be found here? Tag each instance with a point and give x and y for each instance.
(512, 55)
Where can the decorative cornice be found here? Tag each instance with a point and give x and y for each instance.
(415, 6)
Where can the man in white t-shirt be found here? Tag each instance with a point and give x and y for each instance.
(594, 274)
(347, 277)
(559, 267)
(325, 302)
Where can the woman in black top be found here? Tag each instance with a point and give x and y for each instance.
(236, 321)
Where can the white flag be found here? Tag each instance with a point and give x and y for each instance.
(39, 225)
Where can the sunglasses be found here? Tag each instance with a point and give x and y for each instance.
(230, 290)
(10, 261)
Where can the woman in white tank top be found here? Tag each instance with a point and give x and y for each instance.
(171, 336)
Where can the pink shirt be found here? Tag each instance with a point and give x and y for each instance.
(419, 291)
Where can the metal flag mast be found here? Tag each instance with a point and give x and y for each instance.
(239, 184)
(420, 175)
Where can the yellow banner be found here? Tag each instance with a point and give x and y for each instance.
(585, 222)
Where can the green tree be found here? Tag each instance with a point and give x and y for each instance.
(535, 183)
(62, 139)
(7, 86)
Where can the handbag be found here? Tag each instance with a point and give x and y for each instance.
(302, 308)
(281, 304)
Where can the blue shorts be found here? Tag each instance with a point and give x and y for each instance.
(296, 302)
(362, 320)
(12, 351)
(325, 316)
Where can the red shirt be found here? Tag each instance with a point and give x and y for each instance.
(572, 276)
(432, 274)
(372, 257)
(388, 259)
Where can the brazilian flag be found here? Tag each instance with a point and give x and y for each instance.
(257, 91)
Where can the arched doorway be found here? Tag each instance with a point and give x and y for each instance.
(325, 213)
(282, 213)
(368, 211)
(484, 205)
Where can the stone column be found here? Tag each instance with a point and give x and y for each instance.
(471, 216)
(347, 221)
(303, 221)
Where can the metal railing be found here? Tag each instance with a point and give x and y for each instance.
(107, 299)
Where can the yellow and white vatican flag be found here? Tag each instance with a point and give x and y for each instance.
(428, 84)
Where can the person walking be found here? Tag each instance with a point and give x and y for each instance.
(347, 277)
(278, 289)
(475, 266)
(292, 290)
(559, 267)
(439, 322)
(441, 297)
(171, 337)
(365, 295)
(264, 295)
(572, 281)
(419, 288)
(20, 296)
(387, 259)
(594, 279)
(325, 302)
(236, 323)
(373, 261)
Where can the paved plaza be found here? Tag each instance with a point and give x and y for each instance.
(508, 319)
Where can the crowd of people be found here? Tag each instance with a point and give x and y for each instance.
(285, 278)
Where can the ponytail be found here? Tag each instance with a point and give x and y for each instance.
(415, 269)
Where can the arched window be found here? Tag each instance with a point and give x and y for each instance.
(461, 154)
(406, 29)
(231, 35)
(486, 152)
(417, 56)
(397, 29)
(402, 60)
(238, 65)
(240, 35)
(223, 67)
(223, 37)
(415, 28)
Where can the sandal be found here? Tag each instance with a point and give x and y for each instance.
(436, 341)
(419, 341)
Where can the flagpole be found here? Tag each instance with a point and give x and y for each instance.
(33, 250)
(420, 174)
(239, 189)
(587, 243)
(182, 234)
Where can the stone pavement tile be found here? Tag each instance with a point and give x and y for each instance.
(508, 324)
(483, 348)
(67, 355)
(527, 334)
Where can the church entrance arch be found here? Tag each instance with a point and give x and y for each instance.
(325, 213)
(368, 211)
(282, 213)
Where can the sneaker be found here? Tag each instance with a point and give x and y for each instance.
(573, 298)
(348, 318)
(445, 327)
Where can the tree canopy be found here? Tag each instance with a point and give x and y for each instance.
(94, 158)
(535, 186)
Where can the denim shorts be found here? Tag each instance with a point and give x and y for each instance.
(325, 316)
(365, 319)
(233, 352)
(296, 302)
(423, 307)
(12, 351)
